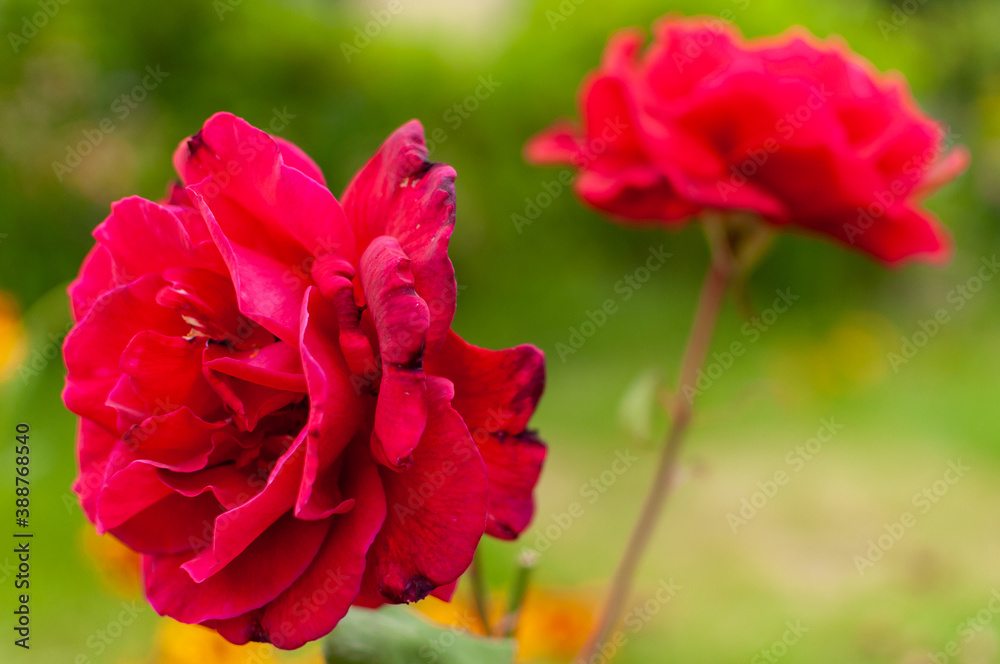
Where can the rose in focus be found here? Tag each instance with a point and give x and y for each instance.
(274, 410)
(797, 131)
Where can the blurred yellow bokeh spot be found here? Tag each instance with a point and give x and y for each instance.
(177, 643)
(13, 340)
(852, 355)
(553, 626)
(116, 564)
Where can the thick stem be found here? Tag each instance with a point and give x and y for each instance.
(709, 304)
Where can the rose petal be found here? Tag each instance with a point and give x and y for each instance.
(266, 289)
(401, 321)
(313, 605)
(246, 165)
(496, 393)
(167, 372)
(169, 526)
(206, 300)
(292, 155)
(495, 390)
(93, 348)
(335, 410)
(144, 238)
(399, 193)
(513, 465)
(236, 529)
(436, 509)
(276, 365)
(261, 572)
(94, 445)
(97, 277)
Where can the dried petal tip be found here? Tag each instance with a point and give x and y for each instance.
(417, 588)
(195, 143)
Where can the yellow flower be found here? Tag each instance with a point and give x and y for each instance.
(116, 564)
(177, 643)
(13, 341)
(553, 625)
(457, 613)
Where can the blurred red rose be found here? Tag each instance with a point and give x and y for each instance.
(273, 408)
(799, 131)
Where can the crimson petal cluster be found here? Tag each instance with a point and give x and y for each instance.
(800, 132)
(274, 410)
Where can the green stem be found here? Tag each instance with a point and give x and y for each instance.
(479, 594)
(710, 301)
(526, 563)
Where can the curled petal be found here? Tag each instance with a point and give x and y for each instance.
(401, 321)
(399, 193)
(335, 411)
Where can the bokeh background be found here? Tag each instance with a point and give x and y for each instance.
(794, 562)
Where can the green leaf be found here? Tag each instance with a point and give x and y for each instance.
(394, 635)
(638, 404)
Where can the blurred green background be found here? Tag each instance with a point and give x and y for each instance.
(827, 357)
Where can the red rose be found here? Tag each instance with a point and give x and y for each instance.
(796, 130)
(273, 408)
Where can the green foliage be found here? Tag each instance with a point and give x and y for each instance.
(394, 635)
